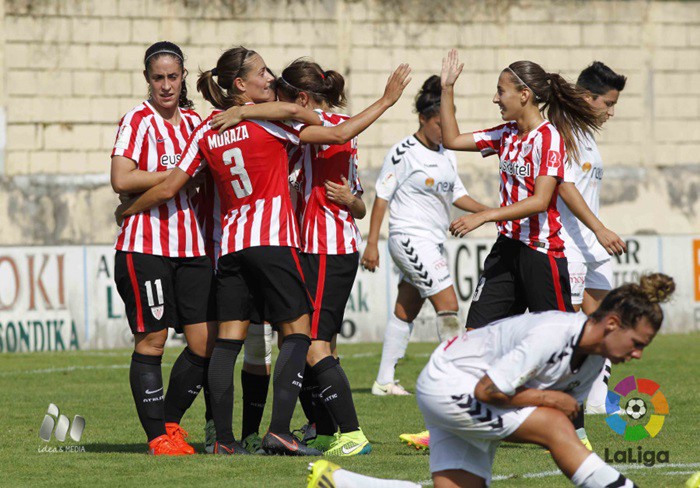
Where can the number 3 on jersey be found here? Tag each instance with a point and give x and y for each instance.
(235, 156)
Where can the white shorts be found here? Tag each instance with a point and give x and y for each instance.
(596, 275)
(421, 262)
(464, 433)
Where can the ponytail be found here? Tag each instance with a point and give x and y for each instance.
(222, 92)
(565, 103)
(304, 75)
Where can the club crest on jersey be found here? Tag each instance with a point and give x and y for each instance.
(429, 182)
(158, 311)
(554, 159)
(527, 148)
(586, 167)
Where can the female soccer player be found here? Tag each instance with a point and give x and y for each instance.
(161, 269)
(589, 246)
(260, 235)
(526, 268)
(521, 379)
(419, 183)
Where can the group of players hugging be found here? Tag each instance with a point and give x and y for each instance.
(243, 223)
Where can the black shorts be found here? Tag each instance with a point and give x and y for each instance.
(517, 278)
(330, 279)
(160, 292)
(272, 275)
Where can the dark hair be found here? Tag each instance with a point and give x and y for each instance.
(565, 103)
(633, 301)
(428, 99)
(304, 75)
(166, 48)
(599, 79)
(222, 93)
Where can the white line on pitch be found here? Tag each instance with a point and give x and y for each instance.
(69, 369)
(619, 467)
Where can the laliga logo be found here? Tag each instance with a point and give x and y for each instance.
(636, 408)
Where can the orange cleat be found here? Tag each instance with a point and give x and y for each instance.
(177, 436)
(164, 446)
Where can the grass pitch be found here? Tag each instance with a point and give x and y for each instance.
(95, 384)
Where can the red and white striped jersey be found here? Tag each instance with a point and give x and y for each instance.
(326, 227)
(154, 144)
(208, 209)
(522, 160)
(250, 167)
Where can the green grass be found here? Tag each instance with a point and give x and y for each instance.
(98, 389)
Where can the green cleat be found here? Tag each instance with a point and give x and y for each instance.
(253, 444)
(209, 437)
(322, 442)
(349, 444)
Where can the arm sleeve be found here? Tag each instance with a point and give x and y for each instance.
(550, 154)
(387, 182)
(488, 141)
(192, 161)
(130, 135)
(286, 131)
(459, 190)
(523, 362)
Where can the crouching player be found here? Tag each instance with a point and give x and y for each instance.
(522, 378)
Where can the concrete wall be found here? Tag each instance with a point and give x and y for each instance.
(70, 68)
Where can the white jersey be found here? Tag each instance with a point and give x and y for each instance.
(420, 185)
(581, 245)
(532, 350)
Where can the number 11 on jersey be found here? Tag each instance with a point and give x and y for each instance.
(235, 156)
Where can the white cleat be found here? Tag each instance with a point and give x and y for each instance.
(389, 389)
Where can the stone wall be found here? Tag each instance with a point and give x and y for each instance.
(70, 68)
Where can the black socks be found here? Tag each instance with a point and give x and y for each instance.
(334, 392)
(223, 360)
(146, 382)
(186, 380)
(288, 377)
(254, 397)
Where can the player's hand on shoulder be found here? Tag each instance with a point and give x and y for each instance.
(226, 119)
(451, 69)
(370, 258)
(612, 243)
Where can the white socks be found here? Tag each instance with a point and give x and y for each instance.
(448, 325)
(594, 473)
(599, 390)
(347, 479)
(396, 338)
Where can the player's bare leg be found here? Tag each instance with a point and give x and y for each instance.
(550, 428)
(255, 382)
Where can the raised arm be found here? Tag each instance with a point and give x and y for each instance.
(370, 258)
(126, 178)
(451, 138)
(160, 193)
(342, 133)
(487, 392)
(578, 206)
(264, 111)
(537, 203)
